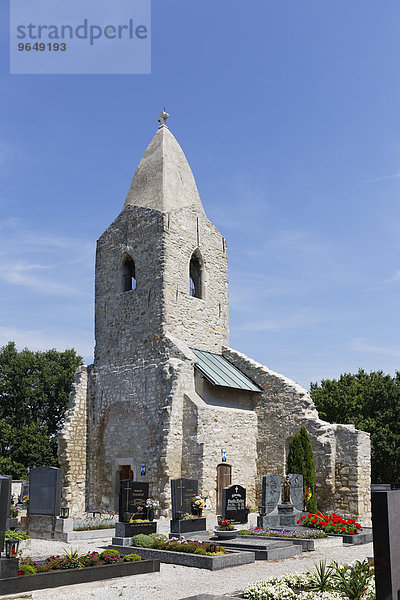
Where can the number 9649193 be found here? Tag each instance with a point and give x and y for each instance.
(42, 47)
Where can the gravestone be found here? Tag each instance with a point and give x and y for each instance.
(271, 492)
(386, 535)
(132, 500)
(5, 504)
(234, 504)
(296, 491)
(24, 490)
(182, 491)
(45, 487)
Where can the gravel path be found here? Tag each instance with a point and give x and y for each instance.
(177, 582)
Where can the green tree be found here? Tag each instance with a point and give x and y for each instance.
(371, 401)
(34, 390)
(301, 460)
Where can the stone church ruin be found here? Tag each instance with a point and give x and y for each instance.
(166, 396)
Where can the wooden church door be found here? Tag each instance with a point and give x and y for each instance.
(224, 478)
(125, 472)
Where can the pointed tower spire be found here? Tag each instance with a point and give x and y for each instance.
(163, 180)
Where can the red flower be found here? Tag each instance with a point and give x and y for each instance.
(351, 532)
(358, 525)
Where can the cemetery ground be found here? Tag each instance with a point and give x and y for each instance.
(175, 582)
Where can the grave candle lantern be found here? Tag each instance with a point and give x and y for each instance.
(64, 514)
(12, 546)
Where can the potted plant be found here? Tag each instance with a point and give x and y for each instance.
(197, 505)
(225, 530)
(151, 506)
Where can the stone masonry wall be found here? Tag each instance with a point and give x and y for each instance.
(201, 323)
(201, 429)
(353, 472)
(282, 409)
(72, 445)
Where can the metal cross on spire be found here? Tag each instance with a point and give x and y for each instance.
(162, 119)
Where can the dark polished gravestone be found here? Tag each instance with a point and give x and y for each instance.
(234, 504)
(182, 491)
(5, 504)
(132, 500)
(386, 535)
(8, 566)
(297, 491)
(45, 488)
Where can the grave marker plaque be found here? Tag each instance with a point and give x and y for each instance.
(386, 535)
(271, 492)
(296, 491)
(45, 487)
(5, 504)
(234, 504)
(132, 500)
(182, 491)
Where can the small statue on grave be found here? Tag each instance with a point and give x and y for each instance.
(286, 490)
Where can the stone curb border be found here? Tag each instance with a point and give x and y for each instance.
(40, 581)
(213, 563)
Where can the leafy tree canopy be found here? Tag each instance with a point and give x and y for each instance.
(34, 390)
(371, 401)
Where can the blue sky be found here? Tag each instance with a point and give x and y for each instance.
(288, 113)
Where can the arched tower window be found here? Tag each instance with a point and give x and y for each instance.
(195, 276)
(129, 276)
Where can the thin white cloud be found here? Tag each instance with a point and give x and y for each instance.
(22, 274)
(385, 177)
(396, 277)
(362, 345)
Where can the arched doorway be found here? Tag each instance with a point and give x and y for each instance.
(224, 478)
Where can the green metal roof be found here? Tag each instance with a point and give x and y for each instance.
(220, 371)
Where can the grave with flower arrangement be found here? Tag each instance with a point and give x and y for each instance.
(276, 513)
(187, 505)
(132, 512)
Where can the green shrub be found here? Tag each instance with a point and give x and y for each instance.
(141, 540)
(159, 544)
(28, 570)
(16, 534)
(89, 560)
(109, 554)
(201, 551)
(132, 557)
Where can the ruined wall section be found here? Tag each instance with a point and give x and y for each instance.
(282, 409)
(72, 442)
(202, 427)
(353, 472)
